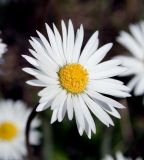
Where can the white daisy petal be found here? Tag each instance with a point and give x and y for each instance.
(105, 99)
(36, 44)
(132, 83)
(77, 110)
(64, 33)
(70, 107)
(88, 130)
(51, 93)
(113, 81)
(54, 115)
(134, 66)
(108, 108)
(105, 65)
(59, 43)
(98, 55)
(43, 106)
(42, 54)
(141, 23)
(86, 53)
(87, 114)
(48, 70)
(108, 84)
(54, 45)
(137, 33)
(59, 99)
(46, 79)
(62, 110)
(139, 89)
(47, 47)
(97, 110)
(108, 73)
(36, 82)
(78, 45)
(31, 71)
(80, 129)
(47, 91)
(30, 60)
(129, 42)
(109, 91)
(70, 42)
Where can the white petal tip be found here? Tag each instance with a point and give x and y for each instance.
(110, 45)
(23, 69)
(46, 24)
(52, 121)
(96, 33)
(80, 131)
(60, 120)
(38, 109)
(129, 95)
(94, 131)
(70, 21)
(119, 117)
(70, 118)
(23, 56)
(89, 136)
(28, 82)
(38, 32)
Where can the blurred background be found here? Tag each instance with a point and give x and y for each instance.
(19, 19)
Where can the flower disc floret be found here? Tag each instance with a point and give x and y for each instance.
(8, 131)
(73, 78)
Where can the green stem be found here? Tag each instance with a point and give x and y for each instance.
(47, 138)
(27, 133)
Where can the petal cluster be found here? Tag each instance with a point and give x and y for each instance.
(134, 43)
(51, 55)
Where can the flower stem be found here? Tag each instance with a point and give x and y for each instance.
(27, 133)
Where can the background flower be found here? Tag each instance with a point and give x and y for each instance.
(134, 42)
(13, 119)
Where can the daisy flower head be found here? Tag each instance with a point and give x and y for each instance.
(134, 43)
(13, 119)
(119, 156)
(74, 79)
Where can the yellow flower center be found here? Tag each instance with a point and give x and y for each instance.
(73, 78)
(8, 131)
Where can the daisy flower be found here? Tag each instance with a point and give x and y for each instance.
(119, 156)
(74, 80)
(13, 118)
(134, 43)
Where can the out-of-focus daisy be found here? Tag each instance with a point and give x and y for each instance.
(13, 118)
(119, 156)
(3, 48)
(134, 43)
(75, 80)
